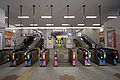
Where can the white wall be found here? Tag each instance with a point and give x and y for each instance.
(2, 18)
(2, 25)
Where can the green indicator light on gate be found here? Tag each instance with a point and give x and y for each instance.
(89, 55)
(104, 55)
(28, 56)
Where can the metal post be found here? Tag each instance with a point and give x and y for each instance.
(68, 13)
(84, 14)
(100, 15)
(8, 7)
(51, 14)
(33, 15)
(21, 15)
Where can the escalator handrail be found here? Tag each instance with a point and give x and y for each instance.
(5, 49)
(83, 49)
(90, 40)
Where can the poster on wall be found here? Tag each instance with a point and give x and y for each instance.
(111, 39)
(9, 39)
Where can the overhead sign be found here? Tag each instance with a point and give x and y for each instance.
(8, 33)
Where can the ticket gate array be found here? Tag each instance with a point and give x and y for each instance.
(84, 56)
(31, 57)
(16, 58)
(98, 56)
(72, 56)
(111, 55)
(44, 57)
(4, 55)
(102, 56)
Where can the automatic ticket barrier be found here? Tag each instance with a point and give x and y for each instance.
(4, 55)
(56, 59)
(31, 57)
(16, 58)
(72, 56)
(84, 56)
(111, 55)
(98, 56)
(44, 58)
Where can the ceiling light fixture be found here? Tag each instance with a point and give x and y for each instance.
(53, 28)
(96, 24)
(81, 24)
(69, 17)
(49, 24)
(91, 17)
(6, 17)
(18, 24)
(33, 24)
(65, 24)
(23, 17)
(112, 17)
(46, 17)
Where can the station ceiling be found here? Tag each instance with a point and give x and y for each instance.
(109, 7)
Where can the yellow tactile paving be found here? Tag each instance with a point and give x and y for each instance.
(26, 74)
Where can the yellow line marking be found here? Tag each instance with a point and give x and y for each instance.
(26, 74)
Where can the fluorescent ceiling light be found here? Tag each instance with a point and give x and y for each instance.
(14, 31)
(46, 17)
(91, 17)
(33, 24)
(54, 28)
(49, 24)
(6, 17)
(96, 24)
(112, 17)
(18, 24)
(69, 17)
(21, 17)
(65, 24)
(81, 24)
(102, 29)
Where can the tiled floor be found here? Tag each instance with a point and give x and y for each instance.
(67, 72)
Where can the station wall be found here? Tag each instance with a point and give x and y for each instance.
(2, 26)
(110, 25)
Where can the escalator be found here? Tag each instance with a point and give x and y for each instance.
(17, 55)
(105, 54)
(31, 55)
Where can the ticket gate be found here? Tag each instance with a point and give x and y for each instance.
(56, 59)
(31, 57)
(72, 56)
(16, 58)
(4, 55)
(111, 55)
(98, 56)
(44, 58)
(84, 56)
